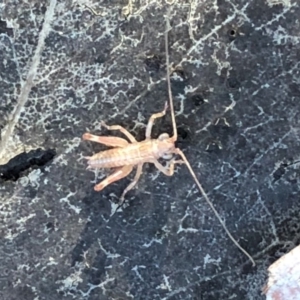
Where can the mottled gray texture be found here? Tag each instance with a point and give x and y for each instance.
(237, 95)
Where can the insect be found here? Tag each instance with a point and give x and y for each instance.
(124, 156)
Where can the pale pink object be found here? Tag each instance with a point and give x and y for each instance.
(284, 277)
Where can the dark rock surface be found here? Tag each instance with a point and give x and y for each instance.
(236, 89)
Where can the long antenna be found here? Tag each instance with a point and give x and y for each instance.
(174, 138)
(179, 152)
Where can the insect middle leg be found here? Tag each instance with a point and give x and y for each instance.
(152, 119)
(132, 184)
(122, 129)
(115, 176)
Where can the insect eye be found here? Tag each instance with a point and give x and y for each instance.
(163, 136)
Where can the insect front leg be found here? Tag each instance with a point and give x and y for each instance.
(115, 176)
(152, 119)
(169, 169)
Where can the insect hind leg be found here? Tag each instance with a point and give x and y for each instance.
(115, 176)
(111, 141)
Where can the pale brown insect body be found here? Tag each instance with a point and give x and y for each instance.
(131, 154)
(125, 156)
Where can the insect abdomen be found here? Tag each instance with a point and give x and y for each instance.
(133, 154)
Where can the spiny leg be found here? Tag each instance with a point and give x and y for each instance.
(132, 184)
(115, 176)
(179, 152)
(111, 141)
(152, 119)
(122, 129)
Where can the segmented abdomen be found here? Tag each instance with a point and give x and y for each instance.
(133, 154)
